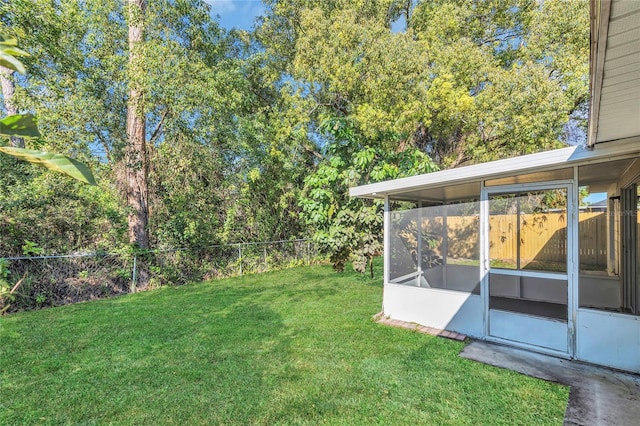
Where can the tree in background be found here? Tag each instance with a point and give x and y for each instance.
(258, 135)
(18, 126)
(468, 81)
(222, 166)
(520, 69)
(15, 201)
(133, 173)
(349, 228)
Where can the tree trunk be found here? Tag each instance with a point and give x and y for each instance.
(135, 155)
(8, 90)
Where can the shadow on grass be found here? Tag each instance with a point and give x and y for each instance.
(294, 347)
(236, 351)
(146, 357)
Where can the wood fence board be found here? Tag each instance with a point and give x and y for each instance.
(543, 237)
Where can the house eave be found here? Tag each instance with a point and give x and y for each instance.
(614, 105)
(599, 11)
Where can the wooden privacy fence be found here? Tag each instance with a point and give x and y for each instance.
(543, 237)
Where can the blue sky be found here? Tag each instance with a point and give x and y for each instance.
(237, 13)
(242, 13)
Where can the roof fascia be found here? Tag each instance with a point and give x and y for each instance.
(600, 12)
(542, 161)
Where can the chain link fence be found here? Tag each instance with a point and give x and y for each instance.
(59, 280)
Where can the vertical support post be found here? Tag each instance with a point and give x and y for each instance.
(613, 221)
(629, 201)
(386, 233)
(484, 256)
(518, 237)
(632, 236)
(634, 241)
(573, 261)
(445, 244)
(419, 249)
(518, 243)
(308, 253)
(240, 258)
(624, 252)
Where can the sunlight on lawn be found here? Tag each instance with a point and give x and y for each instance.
(291, 347)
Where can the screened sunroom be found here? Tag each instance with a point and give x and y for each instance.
(538, 251)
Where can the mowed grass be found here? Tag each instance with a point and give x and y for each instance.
(292, 347)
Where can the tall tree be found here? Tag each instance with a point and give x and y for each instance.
(213, 129)
(468, 81)
(136, 161)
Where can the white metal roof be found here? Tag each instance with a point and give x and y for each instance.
(461, 179)
(615, 70)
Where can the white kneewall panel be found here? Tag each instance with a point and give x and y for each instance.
(599, 291)
(443, 309)
(531, 330)
(608, 338)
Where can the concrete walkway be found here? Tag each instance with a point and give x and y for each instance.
(598, 396)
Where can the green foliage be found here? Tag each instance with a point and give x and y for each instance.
(12, 195)
(24, 125)
(469, 81)
(57, 214)
(19, 125)
(55, 162)
(224, 165)
(30, 249)
(345, 227)
(517, 96)
(186, 198)
(5, 289)
(9, 53)
(258, 135)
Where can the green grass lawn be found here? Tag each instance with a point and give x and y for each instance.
(291, 347)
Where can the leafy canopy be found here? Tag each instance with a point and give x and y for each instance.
(24, 125)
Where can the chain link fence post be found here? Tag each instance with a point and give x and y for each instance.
(240, 258)
(134, 274)
(264, 253)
